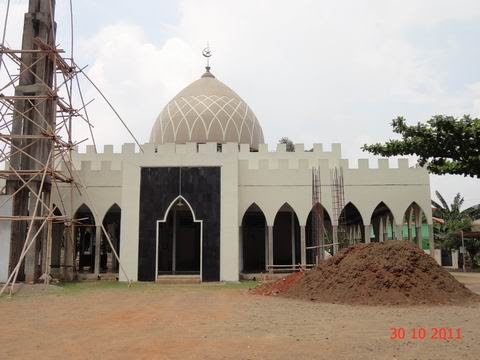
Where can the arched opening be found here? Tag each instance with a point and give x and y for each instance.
(84, 235)
(382, 223)
(179, 241)
(111, 223)
(253, 240)
(350, 229)
(415, 228)
(286, 237)
(58, 245)
(318, 231)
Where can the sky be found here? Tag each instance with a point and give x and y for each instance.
(317, 71)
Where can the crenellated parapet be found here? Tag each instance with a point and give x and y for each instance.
(249, 160)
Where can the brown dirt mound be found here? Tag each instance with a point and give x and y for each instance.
(393, 272)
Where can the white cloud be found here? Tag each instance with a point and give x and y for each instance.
(137, 76)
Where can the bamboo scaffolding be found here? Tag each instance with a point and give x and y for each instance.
(32, 158)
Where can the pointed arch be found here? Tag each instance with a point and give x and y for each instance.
(382, 220)
(84, 210)
(253, 240)
(415, 227)
(174, 202)
(254, 206)
(318, 228)
(352, 221)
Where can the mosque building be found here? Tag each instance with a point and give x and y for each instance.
(208, 199)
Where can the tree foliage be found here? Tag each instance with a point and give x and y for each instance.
(454, 219)
(289, 143)
(445, 144)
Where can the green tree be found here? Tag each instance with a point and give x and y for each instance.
(289, 143)
(454, 219)
(445, 144)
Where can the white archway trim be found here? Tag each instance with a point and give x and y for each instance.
(195, 220)
(244, 211)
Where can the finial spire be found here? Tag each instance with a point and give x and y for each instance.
(207, 53)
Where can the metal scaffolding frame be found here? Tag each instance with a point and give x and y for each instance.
(338, 204)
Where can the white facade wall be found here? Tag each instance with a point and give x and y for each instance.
(267, 178)
(5, 231)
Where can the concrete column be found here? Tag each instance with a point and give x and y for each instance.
(398, 235)
(418, 235)
(381, 230)
(98, 241)
(32, 257)
(270, 247)
(335, 242)
(431, 243)
(240, 248)
(68, 254)
(409, 225)
(266, 247)
(303, 246)
(367, 234)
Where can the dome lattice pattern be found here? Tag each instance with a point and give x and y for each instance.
(207, 111)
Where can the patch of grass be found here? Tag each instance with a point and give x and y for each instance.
(79, 286)
(84, 287)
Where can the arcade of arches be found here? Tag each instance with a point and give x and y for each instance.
(292, 245)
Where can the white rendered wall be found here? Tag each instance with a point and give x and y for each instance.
(268, 178)
(5, 230)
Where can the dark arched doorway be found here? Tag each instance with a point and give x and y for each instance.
(179, 241)
(350, 229)
(382, 221)
(111, 223)
(84, 235)
(318, 230)
(253, 244)
(58, 244)
(286, 237)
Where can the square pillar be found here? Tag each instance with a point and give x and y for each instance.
(409, 225)
(335, 242)
(381, 230)
(68, 254)
(270, 247)
(398, 232)
(367, 234)
(303, 246)
(431, 243)
(240, 248)
(98, 239)
(418, 235)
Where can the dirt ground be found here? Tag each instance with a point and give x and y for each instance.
(109, 321)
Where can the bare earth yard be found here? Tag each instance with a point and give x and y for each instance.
(110, 321)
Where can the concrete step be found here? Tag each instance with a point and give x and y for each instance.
(178, 279)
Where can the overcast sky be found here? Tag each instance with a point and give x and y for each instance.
(317, 71)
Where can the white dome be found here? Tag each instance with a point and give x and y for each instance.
(207, 111)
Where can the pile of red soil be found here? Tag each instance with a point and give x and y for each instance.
(279, 286)
(393, 272)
